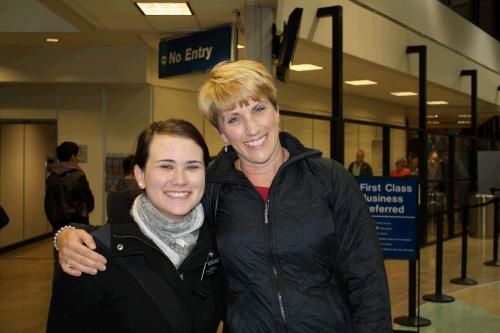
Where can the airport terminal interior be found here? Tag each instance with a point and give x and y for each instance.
(411, 88)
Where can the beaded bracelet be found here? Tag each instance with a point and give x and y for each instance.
(57, 234)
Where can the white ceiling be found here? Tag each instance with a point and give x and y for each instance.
(120, 22)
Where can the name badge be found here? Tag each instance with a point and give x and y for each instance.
(211, 266)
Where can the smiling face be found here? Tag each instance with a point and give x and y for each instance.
(253, 132)
(174, 175)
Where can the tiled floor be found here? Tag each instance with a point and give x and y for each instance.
(26, 273)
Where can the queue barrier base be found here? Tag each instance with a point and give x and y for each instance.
(494, 263)
(412, 321)
(439, 298)
(464, 282)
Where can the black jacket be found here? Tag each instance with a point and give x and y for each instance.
(117, 300)
(365, 169)
(67, 196)
(307, 260)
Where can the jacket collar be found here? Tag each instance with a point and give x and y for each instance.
(222, 170)
(128, 240)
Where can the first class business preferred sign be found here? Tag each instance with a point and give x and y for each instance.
(197, 52)
(393, 204)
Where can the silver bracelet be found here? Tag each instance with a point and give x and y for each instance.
(57, 234)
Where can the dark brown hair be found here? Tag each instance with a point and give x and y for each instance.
(173, 127)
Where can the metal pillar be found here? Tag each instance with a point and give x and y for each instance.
(421, 50)
(473, 125)
(386, 151)
(412, 319)
(258, 34)
(337, 122)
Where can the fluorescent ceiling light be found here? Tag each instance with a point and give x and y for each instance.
(403, 93)
(240, 46)
(432, 116)
(437, 102)
(433, 122)
(52, 40)
(164, 8)
(464, 116)
(304, 67)
(463, 122)
(360, 82)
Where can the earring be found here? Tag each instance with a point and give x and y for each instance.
(225, 148)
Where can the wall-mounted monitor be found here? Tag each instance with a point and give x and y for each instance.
(285, 48)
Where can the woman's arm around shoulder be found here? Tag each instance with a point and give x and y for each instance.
(76, 253)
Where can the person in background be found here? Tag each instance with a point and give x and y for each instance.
(161, 271)
(122, 194)
(401, 169)
(128, 181)
(68, 197)
(4, 218)
(360, 168)
(295, 235)
(414, 166)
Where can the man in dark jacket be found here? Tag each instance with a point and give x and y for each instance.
(360, 168)
(67, 193)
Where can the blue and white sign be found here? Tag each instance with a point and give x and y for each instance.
(393, 204)
(197, 52)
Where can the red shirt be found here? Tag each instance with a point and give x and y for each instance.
(263, 191)
(401, 173)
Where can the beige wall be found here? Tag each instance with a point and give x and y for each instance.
(24, 149)
(11, 181)
(39, 144)
(64, 64)
(128, 111)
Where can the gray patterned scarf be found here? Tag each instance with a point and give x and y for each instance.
(175, 238)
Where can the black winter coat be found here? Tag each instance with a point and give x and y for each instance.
(308, 259)
(68, 197)
(364, 171)
(116, 301)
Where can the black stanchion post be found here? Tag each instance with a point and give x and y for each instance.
(438, 296)
(412, 319)
(495, 261)
(463, 280)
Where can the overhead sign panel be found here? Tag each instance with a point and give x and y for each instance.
(393, 204)
(197, 52)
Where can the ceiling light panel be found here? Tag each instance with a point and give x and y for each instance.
(464, 116)
(52, 40)
(164, 8)
(403, 93)
(361, 82)
(432, 116)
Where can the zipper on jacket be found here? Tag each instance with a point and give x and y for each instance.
(266, 221)
(275, 271)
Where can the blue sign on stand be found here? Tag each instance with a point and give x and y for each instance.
(393, 204)
(197, 52)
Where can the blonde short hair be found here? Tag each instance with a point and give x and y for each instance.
(232, 84)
